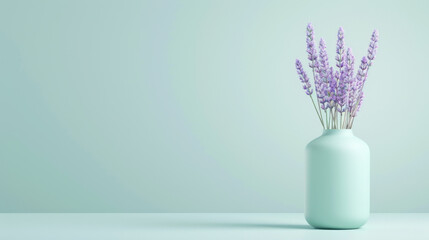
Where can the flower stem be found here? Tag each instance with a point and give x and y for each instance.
(326, 116)
(315, 108)
(344, 120)
(361, 88)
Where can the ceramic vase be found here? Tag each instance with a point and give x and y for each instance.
(338, 180)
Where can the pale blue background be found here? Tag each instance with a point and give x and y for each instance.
(195, 106)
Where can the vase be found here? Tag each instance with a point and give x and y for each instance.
(338, 176)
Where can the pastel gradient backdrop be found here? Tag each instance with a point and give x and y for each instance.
(195, 106)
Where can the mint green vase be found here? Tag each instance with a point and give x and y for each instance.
(337, 180)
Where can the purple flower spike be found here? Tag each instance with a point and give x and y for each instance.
(353, 88)
(360, 81)
(326, 100)
(324, 74)
(341, 92)
(350, 62)
(304, 78)
(372, 50)
(340, 49)
(318, 85)
(312, 54)
(350, 80)
(323, 58)
(332, 87)
(324, 62)
(361, 75)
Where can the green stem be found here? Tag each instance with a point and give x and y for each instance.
(335, 116)
(318, 103)
(326, 116)
(320, 110)
(330, 119)
(344, 120)
(352, 120)
(354, 110)
(315, 108)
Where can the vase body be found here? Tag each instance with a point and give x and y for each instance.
(338, 180)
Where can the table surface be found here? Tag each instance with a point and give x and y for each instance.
(201, 226)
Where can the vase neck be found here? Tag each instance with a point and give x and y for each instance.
(340, 132)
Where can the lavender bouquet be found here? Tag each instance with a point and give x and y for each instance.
(339, 92)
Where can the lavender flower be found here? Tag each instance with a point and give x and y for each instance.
(341, 91)
(363, 71)
(340, 49)
(361, 75)
(372, 50)
(323, 58)
(319, 86)
(323, 75)
(331, 94)
(312, 54)
(341, 96)
(350, 61)
(352, 94)
(350, 80)
(360, 81)
(338, 90)
(325, 98)
(307, 87)
(304, 78)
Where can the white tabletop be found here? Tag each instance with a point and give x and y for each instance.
(220, 226)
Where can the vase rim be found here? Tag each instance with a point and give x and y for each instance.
(337, 131)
